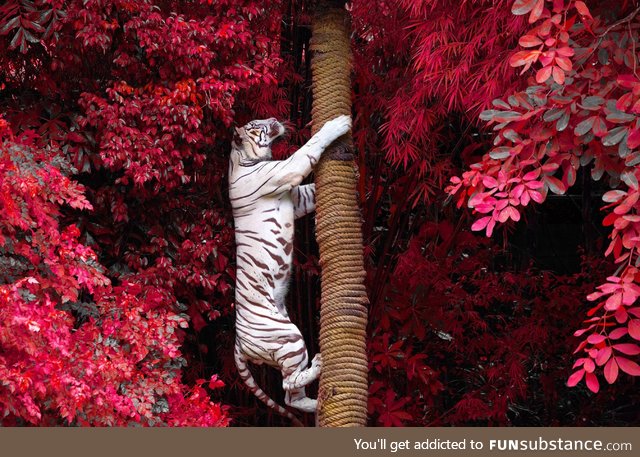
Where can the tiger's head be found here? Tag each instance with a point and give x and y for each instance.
(254, 139)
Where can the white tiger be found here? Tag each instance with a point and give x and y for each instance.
(266, 197)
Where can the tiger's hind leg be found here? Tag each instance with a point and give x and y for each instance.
(294, 382)
(303, 376)
(293, 359)
(297, 398)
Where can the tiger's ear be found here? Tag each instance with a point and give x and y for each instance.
(237, 136)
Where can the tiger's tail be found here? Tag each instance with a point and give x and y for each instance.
(246, 376)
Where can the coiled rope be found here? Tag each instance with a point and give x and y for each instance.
(342, 397)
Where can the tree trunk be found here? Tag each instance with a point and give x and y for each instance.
(342, 396)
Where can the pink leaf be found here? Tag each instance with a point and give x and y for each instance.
(480, 224)
(604, 354)
(514, 214)
(627, 348)
(594, 296)
(543, 74)
(523, 58)
(565, 51)
(613, 196)
(634, 329)
(633, 140)
(490, 226)
(489, 181)
(621, 314)
(582, 9)
(627, 81)
(589, 366)
(575, 378)
(592, 383)
(613, 302)
(521, 7)
(529, 41)
(618, 333)
(536, 12)
(536, 196)
(558, 75)
(596, 338)
(583, 331)
(564, 63)
(555, 185)
(611, 371)
(628, 366)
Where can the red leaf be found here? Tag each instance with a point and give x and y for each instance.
(565, 51)
(627, 204)
(555, 185)
(610, 219)
(596, 338)
(521, 7)
(633, 140)
(634, 329)
(624, 101)
(215, 383)
(627, 81)
(592, 383)
(584, 330)
(558, 75)
(564, 63)
(611, 371)
(543, 74)
(582, 8)
(480, 224)
(613, 196)
(599, 127)
(529, 41)
(604, 354)
(621, 313)
(628, 366)
(575, 378)
(536, 196)
(536, 12)
(618, 333)
(523, 57)
(589, 366)
(627, 348)
(510, 212)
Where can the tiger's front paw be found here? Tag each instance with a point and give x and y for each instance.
(316, 363)
(336, 127)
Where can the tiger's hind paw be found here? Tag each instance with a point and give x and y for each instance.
(308, 405)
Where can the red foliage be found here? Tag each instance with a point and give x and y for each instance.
(467, 344)
(494, 345)
(579, 109)
(134, 96)
(108, 361)
(116, 251)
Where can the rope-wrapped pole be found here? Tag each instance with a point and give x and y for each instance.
(342, 396)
